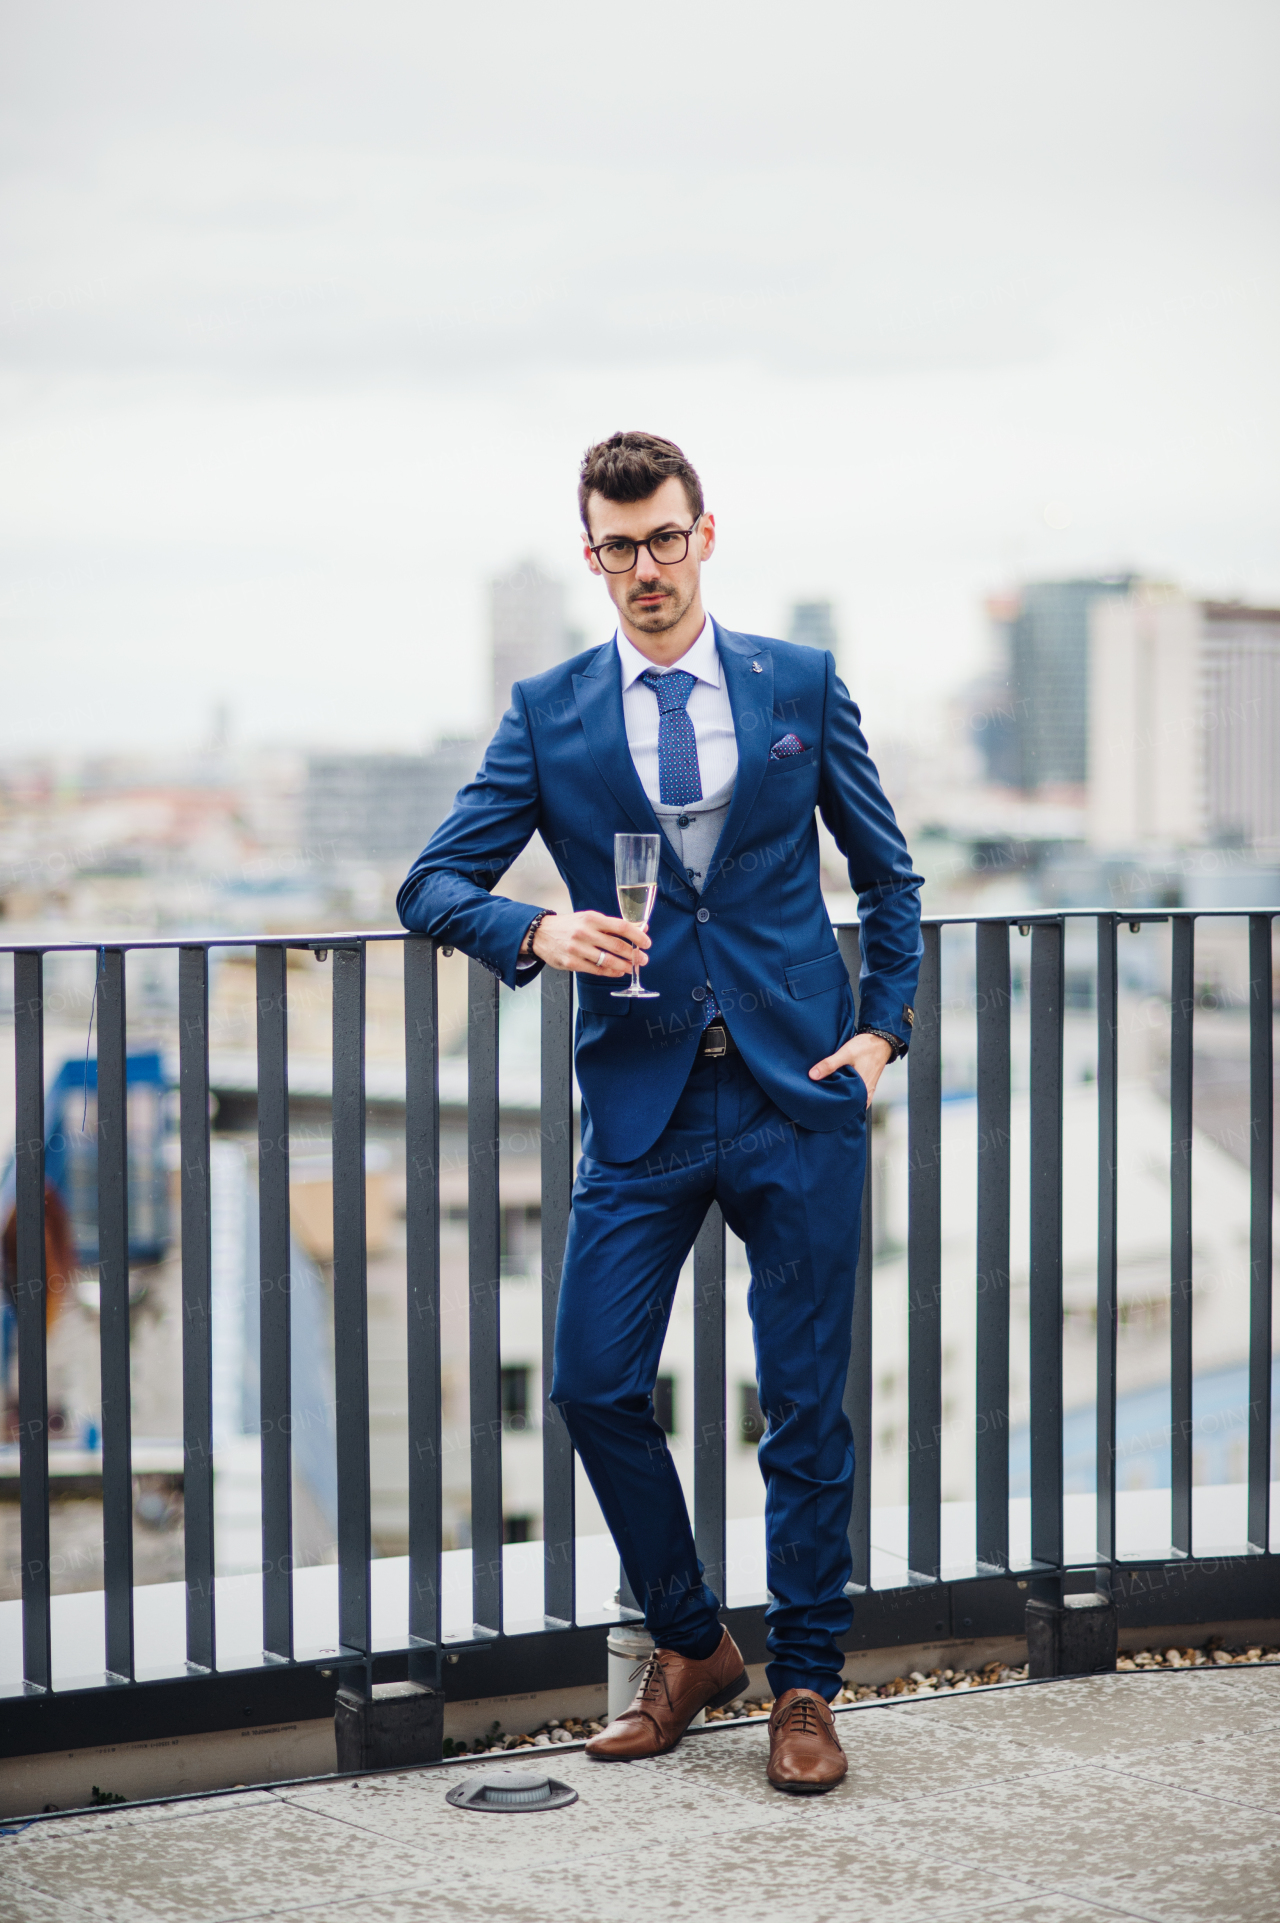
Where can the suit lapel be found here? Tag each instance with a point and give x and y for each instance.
(598, 693)
(751, 698)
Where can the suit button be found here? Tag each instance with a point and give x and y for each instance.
(704, 914)
(699, 994)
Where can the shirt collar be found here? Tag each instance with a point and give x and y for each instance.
(701, 661)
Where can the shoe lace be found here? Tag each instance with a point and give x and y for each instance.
(804, 1712)
(652, 1683)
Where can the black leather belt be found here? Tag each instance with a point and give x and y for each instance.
(716, 1041)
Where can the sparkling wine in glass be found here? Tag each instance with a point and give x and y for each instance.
(635, 870)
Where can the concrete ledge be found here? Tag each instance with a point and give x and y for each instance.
(274, 1753)
(167, 1766)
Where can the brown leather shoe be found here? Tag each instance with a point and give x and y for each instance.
(672, 1689)
(805, 1756)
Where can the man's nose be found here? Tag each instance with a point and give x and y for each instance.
(647, 569)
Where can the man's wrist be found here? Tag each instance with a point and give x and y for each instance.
(530, 933)
(897, 1047)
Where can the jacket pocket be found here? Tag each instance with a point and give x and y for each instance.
(596, 997)
(787, 764)
(817, 977)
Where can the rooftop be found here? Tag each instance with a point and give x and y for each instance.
(1134, 1795)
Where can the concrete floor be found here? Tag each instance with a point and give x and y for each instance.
(1149, 1797)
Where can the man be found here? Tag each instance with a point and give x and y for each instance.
(743, 1082)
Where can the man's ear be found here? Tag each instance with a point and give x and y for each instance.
(589, 557)
(708, 533)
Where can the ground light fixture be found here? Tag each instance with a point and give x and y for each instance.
(511, 1792)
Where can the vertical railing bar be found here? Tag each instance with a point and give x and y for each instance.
(1046, 1250)
(709, 1399)
(1108, 992)
(1181, 1070)
(273, 1301)
(558, 1517)
(113, 1289)
(1261, 1178)
(197, 1332)
(924, 1270)
(30, 1288)
(484, 1224)
(422, 1220)
(857, 1387)
(350, 1303)
(991, 1443)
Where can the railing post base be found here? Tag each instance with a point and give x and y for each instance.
(629, 1645)
(1077, 1637)
(400, 1724)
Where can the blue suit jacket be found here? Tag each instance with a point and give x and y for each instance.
(559, 765)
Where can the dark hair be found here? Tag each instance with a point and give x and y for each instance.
(631, 467)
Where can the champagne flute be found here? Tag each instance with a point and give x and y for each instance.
(635, 870)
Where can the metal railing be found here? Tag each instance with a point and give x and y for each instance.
(989, 1599)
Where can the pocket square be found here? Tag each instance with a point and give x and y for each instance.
(790, 744)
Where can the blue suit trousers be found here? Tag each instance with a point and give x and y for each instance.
(794, 1197)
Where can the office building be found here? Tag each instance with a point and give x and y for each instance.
(527, 629)
(813, 625)
(1034, 731)
(1184, 723)
(381, 807)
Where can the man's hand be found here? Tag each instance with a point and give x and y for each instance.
(591, 944)
(867, 1053)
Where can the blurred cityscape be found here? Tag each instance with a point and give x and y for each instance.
(1120, 751)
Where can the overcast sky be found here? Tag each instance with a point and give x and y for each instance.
(308, 312)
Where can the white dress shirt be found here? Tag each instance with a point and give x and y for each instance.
(708, 709)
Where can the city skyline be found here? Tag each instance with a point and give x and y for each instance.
(310, 317)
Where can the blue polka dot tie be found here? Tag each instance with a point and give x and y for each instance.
(679, 777)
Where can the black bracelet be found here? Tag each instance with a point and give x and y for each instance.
(525, 952)
(897, 1047)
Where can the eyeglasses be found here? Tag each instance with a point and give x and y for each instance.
(666, 546)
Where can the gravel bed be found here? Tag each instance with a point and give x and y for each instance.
(572, 1730)
(936, 1682)
(1213, 1654)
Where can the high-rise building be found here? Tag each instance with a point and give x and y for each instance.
(527, 629)
(1036, 733)
(381, 807)
(813, 625)
(1184, 723)
(988, 702)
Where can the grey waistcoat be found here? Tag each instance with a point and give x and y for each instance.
(696, 842)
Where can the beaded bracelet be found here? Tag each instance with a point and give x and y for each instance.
(526, 946)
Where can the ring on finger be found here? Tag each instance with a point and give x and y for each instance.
(600, 958)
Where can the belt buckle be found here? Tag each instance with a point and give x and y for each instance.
(717, 1030)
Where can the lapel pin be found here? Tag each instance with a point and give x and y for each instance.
(756, 668)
